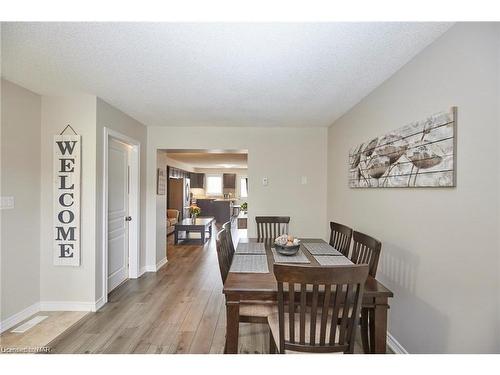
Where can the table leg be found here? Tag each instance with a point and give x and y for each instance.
(364, 330)
(176, 236)
(202, 236)
(232, 326)
(210, 231)
(378, 325)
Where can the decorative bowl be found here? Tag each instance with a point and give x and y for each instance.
(287, 250)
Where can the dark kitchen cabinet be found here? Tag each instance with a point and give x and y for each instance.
(197, 180)
(229, 180)
(177, 173)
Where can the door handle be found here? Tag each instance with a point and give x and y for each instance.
(128, 218)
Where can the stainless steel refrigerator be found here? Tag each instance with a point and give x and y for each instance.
(179, 196)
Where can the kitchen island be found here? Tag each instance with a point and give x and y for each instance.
(221, 209)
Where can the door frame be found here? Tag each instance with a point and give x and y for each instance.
(134, 228)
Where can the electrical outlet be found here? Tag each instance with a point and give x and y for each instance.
(6, 203)
(265, 181)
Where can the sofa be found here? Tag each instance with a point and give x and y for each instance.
(172, 219)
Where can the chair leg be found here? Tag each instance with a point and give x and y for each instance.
(364, 330)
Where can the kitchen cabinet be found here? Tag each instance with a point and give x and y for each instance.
(197, 180)
(177, 173)
(229, 181)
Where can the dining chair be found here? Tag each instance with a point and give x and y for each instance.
(224, 253)
(325, 314)
(366, 250)
(270, 227)
(250, 311)
(340, 237)
(227, 227)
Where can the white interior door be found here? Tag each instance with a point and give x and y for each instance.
(118, 201)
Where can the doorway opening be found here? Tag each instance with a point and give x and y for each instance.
(121, 210)
(211, 185)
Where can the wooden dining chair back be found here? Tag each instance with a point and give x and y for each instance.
(270, 227)
(227, 227)
(366, 250)
(325, 303)
(340, 237)
(224, 255)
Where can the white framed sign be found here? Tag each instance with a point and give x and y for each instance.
(67, 172)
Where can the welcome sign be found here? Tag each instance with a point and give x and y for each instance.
(67, 164)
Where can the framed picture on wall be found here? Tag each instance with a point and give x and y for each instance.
(161, 182)
(420, 154)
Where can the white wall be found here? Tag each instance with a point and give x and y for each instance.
(281, 154)
(112, 118)
(162, 160)
(175, 163)
(440, 251)
(69, 284)
(20, 178)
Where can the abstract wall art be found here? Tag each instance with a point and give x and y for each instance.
(420, 154)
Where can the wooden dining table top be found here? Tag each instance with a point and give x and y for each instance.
(259, 284)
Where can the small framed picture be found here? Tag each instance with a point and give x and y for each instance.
(161, 182)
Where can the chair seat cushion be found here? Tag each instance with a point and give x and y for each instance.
(172, 221)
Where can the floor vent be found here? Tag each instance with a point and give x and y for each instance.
(29, 324)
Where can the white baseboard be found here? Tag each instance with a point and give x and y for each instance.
(150, 268)
(15, 319)
(161, 263)
(49, 306)
(154, 267)
(67, 306)
(99, 303)
(394, 345)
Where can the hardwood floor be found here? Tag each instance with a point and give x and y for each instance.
(43, 333)
(179, 309)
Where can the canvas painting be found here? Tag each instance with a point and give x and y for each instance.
(421, 154)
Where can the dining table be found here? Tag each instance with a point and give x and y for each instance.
(257, 285)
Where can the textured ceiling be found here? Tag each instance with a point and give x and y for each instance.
(214, 74)
(211, 160)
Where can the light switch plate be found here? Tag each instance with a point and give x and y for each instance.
(6, 203)
(265, 181)
(303, 180)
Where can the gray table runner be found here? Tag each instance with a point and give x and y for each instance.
(320, 248)
(297, 258)
(245, 263)
(329, 260)
(250, 248)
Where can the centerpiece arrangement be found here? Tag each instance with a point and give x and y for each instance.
(287, 244)
(194, 211)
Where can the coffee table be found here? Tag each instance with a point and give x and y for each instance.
(200, 224)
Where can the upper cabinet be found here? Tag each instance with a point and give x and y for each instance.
(197, 180)
(229, 180)
(173, 172)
